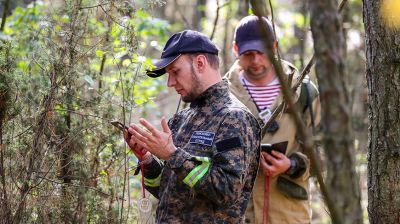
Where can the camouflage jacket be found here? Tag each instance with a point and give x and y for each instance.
(209, 178)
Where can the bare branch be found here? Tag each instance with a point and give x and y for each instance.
(187, 24)
(217, 17)
(94, 6)
(79, 186)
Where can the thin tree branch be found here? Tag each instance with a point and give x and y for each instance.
(219, 7)
(23, 132)
(103, 60)
(79, 186)
(182, 15)
(215, 21)
(112, 18)
(273, 28)
(94, 6)
(341, 5)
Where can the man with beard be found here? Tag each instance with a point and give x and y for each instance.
(281, 191)
(203, 163)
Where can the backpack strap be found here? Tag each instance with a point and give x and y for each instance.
(308, 93)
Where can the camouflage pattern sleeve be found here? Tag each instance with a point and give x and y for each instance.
(233, 163)
(152, 176)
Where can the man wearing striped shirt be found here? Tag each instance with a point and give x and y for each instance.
(281, 192)
(263, 94)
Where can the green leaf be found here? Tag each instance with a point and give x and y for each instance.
(64, 19)
(99, 53)
(23, 65)
(140, 101)
(299, 19)
(142, 14)
(126, 62)
(18, 10)
(115, 31)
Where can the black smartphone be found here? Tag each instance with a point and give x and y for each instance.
(280, 147)
(119, 125)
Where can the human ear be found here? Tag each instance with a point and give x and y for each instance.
(200, 63)
(235, 49)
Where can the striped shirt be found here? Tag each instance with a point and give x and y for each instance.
(263, 96)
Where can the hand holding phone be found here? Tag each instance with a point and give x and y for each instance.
(127, 136)
(274, 163)
(280, 147)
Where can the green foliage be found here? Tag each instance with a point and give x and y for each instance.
(67, 72)
(6, 66)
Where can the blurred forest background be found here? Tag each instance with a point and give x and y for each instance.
(72, 66)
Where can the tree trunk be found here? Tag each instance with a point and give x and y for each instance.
(342, 179)
(383, 78)
(243, 8)
(199, 13)
(5, 12)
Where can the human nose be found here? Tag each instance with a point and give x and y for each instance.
(256, 58)
(171, 81)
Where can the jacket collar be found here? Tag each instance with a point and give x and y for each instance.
(212, 95)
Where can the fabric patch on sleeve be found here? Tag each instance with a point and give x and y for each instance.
(229, 143)
(202, 138)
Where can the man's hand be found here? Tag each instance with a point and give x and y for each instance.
(159, 143)
(139, 151)
(276, 164)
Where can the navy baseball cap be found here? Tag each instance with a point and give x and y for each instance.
(248, 35)
(187, 41)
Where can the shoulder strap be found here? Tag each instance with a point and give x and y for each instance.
(308, 93)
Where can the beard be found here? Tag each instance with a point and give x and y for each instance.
(196, 87)
(256, 75)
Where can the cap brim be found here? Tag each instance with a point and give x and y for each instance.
(160, 66)
(254, 45)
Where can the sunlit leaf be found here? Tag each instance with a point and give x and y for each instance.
(99, 53)
(23, 65)
(126, 62)
(299, 19)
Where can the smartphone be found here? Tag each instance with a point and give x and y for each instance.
(280, 147)
(119, 125)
